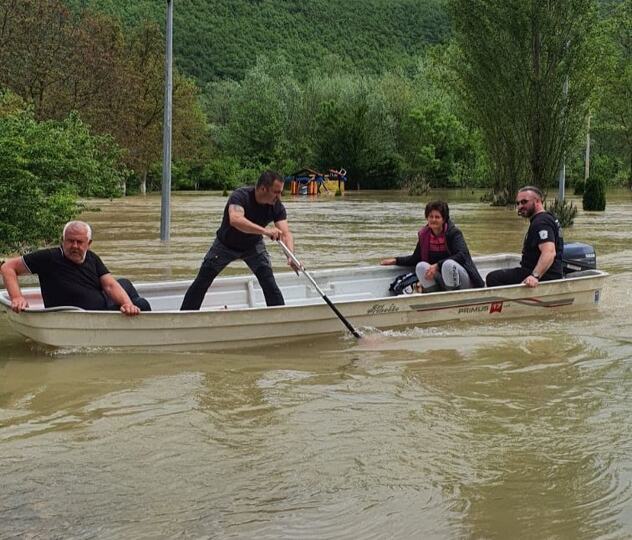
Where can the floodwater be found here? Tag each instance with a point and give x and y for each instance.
(519, 429)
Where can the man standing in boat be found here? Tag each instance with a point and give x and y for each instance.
(542, 248)
(240, 236)
(72, 275)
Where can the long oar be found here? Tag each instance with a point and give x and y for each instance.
(324, 296)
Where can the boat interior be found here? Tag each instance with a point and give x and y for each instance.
(339, 284)
(243, 292)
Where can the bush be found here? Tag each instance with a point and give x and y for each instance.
(579, 187)
(65, 153)
(223, 173)
(565, 211)
(28, 215)
(417, 185)
(44, 168)
(594, 195)
(501, 197)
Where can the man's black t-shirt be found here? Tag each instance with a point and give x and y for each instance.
(544, 227)
(261, 214)
(64, 283)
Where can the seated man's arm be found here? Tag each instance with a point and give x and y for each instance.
(238, 219)
(547, 256)
(117, 294)
(11, 269)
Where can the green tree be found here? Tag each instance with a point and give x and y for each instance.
(65, 153)
(353, 129)
(61, 61)
(37, 37)
(45, 167)
(259, 119)
(436, 141)
(514, 59)
(226, 173)
(222, 39)
(614, 123)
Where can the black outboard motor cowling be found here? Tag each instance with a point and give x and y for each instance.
(578, 256)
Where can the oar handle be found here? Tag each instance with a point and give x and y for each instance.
(290, 255)
(300, 265)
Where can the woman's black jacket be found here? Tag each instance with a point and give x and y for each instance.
(457, 249)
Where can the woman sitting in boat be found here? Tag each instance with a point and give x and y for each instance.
(441, 258)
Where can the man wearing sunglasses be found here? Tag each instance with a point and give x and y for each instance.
(542, 247)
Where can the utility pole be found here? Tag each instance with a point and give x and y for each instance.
(165, 207)
(587, 158)
(562, 173)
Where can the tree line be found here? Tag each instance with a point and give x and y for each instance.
(503, 100)
(221, 39)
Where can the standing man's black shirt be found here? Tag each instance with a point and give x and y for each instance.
(544, 227)
(261, 214)
(64, 283)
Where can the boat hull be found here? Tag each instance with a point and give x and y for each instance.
(234, 314)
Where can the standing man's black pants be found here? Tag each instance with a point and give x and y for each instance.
(219, 257)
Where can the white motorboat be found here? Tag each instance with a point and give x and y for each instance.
(234, 314)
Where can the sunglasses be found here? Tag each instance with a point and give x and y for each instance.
(522, 202)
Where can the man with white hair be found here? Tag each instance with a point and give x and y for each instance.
(72, 275)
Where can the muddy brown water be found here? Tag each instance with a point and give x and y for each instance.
(518, 429)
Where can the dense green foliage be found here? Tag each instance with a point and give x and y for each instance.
(329, 84)
(594, 198)
(613, 119)
(61, 62)
(525, 53)
(382, 129)
(45, 167)
(223, 38)
(565, 211)
(526, 72)
(382, 88)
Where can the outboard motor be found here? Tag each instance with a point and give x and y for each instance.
(577, 257)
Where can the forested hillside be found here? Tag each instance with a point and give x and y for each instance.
(400, 93)
(222, 38)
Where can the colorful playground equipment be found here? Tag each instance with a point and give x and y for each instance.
(310, 182)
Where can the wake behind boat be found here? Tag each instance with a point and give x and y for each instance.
(234, 313)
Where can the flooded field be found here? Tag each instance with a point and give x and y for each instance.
(519, 429)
